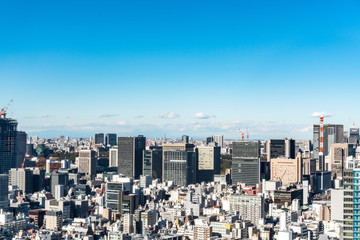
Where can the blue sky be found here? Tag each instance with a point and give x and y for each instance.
(179, 67)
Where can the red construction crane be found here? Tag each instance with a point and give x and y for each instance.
(242, 135)
(3, 111)
(23, 164)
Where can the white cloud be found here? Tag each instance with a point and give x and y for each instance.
(324, 114)
(201, 115)
(44, 115)
(121, 123)
(168, 115)
(108, 115)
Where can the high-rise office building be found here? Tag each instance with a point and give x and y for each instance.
(280, 148)
(208, 163)
(179, 163)
(351, 229)
(130, 153)
(61, 143)
(20, 147)
(333, 133)
(209, 140)
(185, 139)
(22, 177)
(303, 146)
(87, 162)
(309, 171)
(99, 138)
(250, 207)
(38, 178)
(8, 149)
(59, 177)
(129, 223)
(152, 165)
(110, 139)
(219, 139)
(4, 191)
(246, 162)
(120, 199)
(337, 205)
(28, 179)
(339, 153)
(354, 136)
(113, 157)
(287, 171)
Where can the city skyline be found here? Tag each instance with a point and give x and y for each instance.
(199, 69)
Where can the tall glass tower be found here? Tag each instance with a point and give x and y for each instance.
(8, 156)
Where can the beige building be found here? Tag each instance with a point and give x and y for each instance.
(129, 223)
(87, 162)
(206, 158)
(287, 171)
(325, 213)
(53, 220)
(203, 232)
(338, 153)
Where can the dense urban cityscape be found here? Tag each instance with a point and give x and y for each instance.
(126, 187)
(179, 120)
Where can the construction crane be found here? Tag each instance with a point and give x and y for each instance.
(23, 164)
(242, 135)
(3, 110)
(283, 176)
(247, 135)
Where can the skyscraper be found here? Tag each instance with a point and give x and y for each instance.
(333, 133)
(110, 139)
(246, 162)
(354, 136)
(4, 191)
(113, 157)
(185, 139)
(351, 204)
(280, 148)
(120, 199)
(179, 163)
(130, 153)
(61, 143)
(339, 153)
(87, 162)
(219, 139)
(152, 165)
(8, 133)
(209, 140)
(208, 163)
(20, 148)
(99, 138)
(59, 177)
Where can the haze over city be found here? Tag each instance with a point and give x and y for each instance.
(179, 67)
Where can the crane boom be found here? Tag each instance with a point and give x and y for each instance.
(3, 110)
